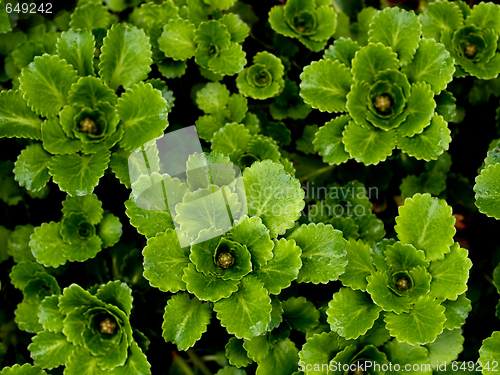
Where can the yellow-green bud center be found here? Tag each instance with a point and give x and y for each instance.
(470, 51)
(403, 284)
(88, 126)
(382, 103)
(225, 260)
(107, 326)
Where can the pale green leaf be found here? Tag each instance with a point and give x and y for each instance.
(351, 314)
(125, 56)
(16, 118)
(247, 312)
(421, 325)
(446, 348)
(426, 223)
(325, 84)
(456, 311)
(164, 262)
(31, 167)
(78, 175)
(398, 29)
(368, 146)
(77, 48)
(328, 141)
(359, 265)
(45, 84)
(185, 320)
(47, 245)
(177, 39)
(487, 189)
(489, 353)
(372, 59)
(273, 195)
(50, 349)
(283, 268)
(450, 275)
(143, 112)
(323, 252)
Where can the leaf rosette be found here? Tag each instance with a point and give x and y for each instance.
(264, 79)
(413, 280)
(311, 22)
(471, 39)
(388, 89)
(92, 326)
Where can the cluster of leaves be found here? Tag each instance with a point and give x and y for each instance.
(249, 261)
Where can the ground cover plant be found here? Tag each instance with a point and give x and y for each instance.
(231, 187)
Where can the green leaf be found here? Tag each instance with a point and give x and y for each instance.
(283, 268)
(90, 205)
(164, 262)
(446, 348)
(49, 315)
(282, 359)
(450, 275)
(78, 175)
(238, 29)
(426, 223)
(228, 370)
(26, 318)
(16, 118)
(323, 252)
(402, 354)
(247, 312)
(351, 314)
(90, 16)
(47, 245)
(420, 110)
(23, 273)
(421, 325)
(55, 139)
(487, 189)
(17, 243)
(208, 287)
(321, 348)
(432, 64)
(125, 56)
(386, 298)
(368, 146)
(136, 364)
(212, 97)
(230, 61)
(328, 141)
(25, 369)
(258, 347)
(50, 349)
(251, 233)
(372, 59)
(10, 191)
(441, 16)
(31, 167)
(50, 78)
(402, 257)
(143, 111)
(486, 16)
(324, 85)
(300, 313)
(88, 91)
(398, 29)
(456, 311)
(359, 265)
(273, 195)
(489, 353)
(118, 294)
(430, 144)
(342, 50)
(177, 39)
(148, 222)
(77, 48)
(185, 320)
(82, 362)
(109, 230)
(236, 354)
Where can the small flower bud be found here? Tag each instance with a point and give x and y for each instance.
(225, 260)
